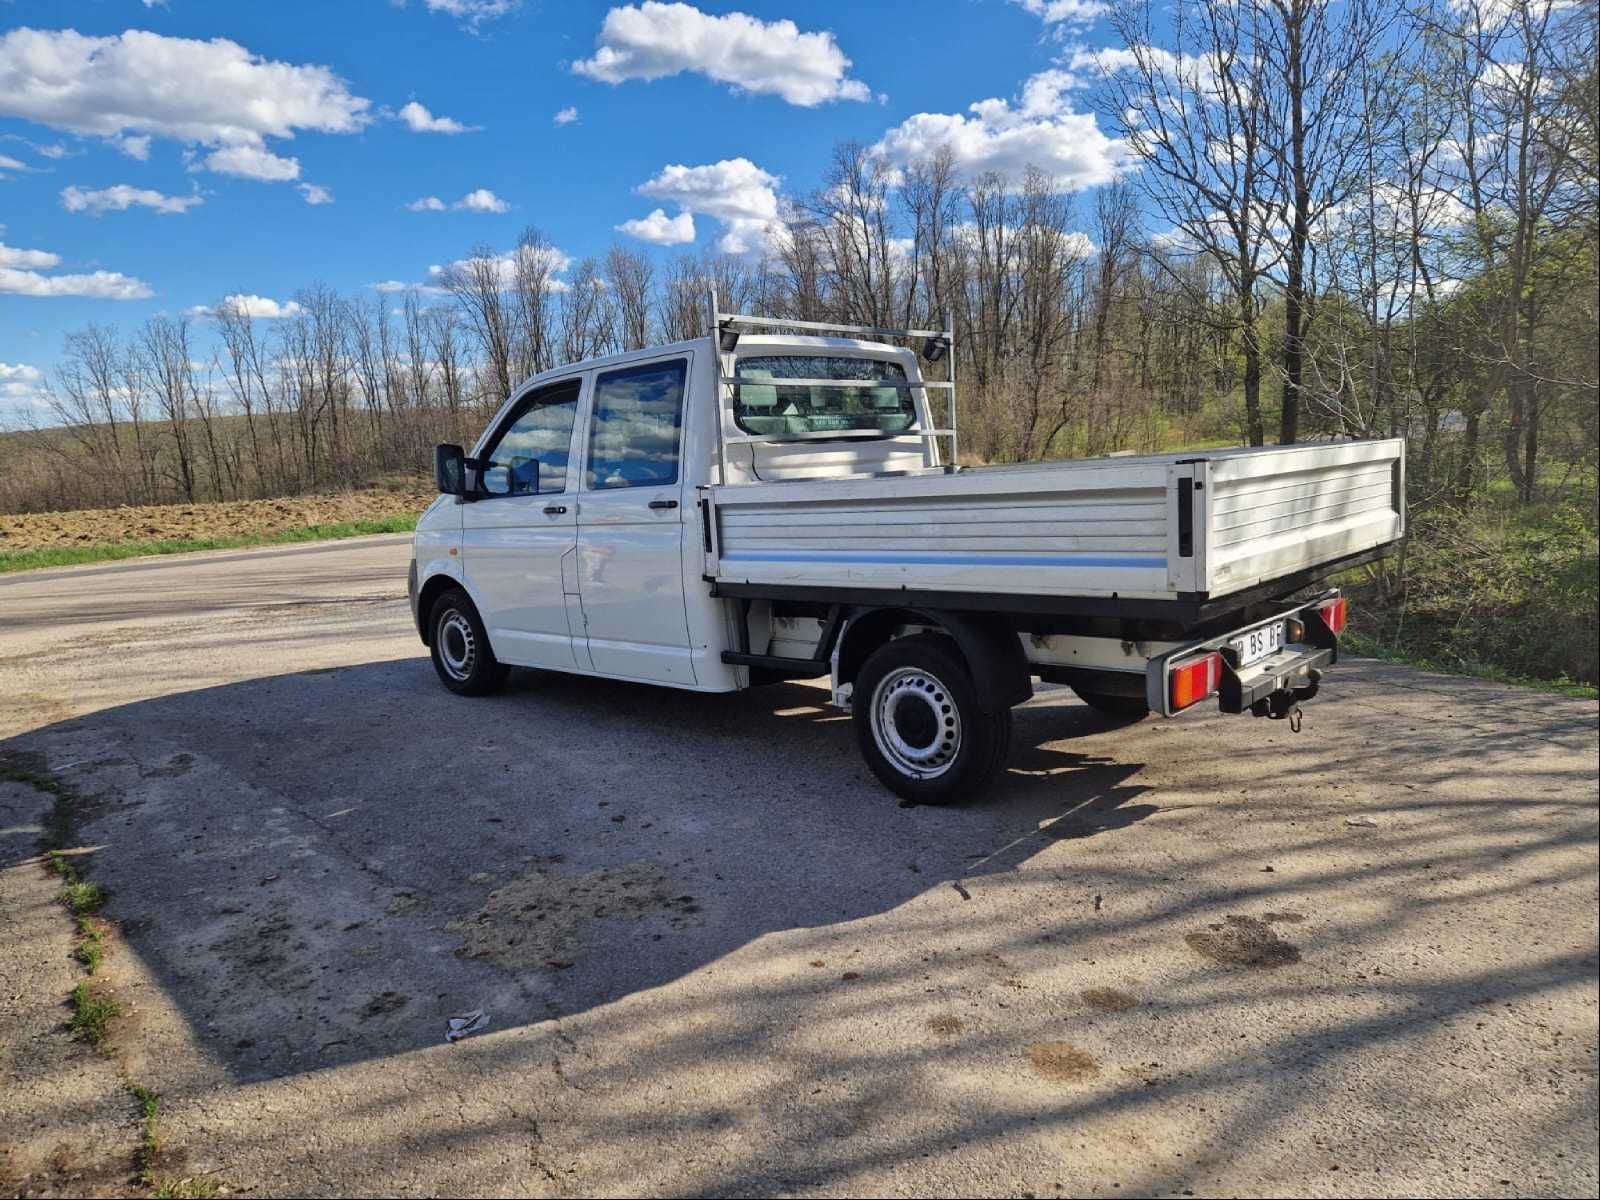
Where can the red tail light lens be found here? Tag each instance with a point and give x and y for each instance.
(1334, 614)
(1191, 682)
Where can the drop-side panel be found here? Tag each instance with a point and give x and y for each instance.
(1091, 529)
(1156, 528)
(1272, 512)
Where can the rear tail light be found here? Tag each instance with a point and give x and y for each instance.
(1192, 681)
(1334, 613)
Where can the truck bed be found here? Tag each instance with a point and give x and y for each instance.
(1178, 527)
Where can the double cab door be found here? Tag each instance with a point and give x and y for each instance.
(574, 549)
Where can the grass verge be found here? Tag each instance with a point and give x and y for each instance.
(1371, 647)
(71, 556)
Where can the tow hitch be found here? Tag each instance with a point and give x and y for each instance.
(1285, 702)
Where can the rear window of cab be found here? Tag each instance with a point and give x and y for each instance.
(764, 404)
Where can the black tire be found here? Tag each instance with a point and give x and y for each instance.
(1134, 708)
(962, 746)
(459, 645)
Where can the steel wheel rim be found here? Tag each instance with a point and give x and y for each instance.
(915, 723)
(457, 644)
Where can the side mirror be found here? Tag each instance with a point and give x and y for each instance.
(450, 469)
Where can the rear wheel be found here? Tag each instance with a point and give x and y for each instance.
(919, 723)
(460, 645)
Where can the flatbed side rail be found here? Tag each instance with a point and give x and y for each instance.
(725, 332)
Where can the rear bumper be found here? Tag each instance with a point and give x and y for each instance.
(1292, 672)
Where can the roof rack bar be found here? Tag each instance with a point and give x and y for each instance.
(722, 324)
(901, 385)
(828, 326)
(839, 435)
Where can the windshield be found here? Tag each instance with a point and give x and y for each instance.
(763, 403)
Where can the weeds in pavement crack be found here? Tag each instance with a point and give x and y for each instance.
(83, 901)
(91, 1013)
(93, 1009)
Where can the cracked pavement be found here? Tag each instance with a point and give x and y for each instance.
(717, 958)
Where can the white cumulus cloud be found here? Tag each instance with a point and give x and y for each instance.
(566, 116)
(32, 260)
(554, 262)
(1039, 130)
(95, 285)
(473, 12)
(21, 388)
(1064, 12)
(419, 120)
(654, 40)
(263, 308)
(480, 200)
(22, 273)
(121, 197)
(16, 378)
(735, 191)
(137, 85)
(251, 162)
(660, 229)
(315, 193)
(136, 148)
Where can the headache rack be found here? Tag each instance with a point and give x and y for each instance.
(936, 344)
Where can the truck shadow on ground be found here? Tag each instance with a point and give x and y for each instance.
(321, 867)
(646, 890)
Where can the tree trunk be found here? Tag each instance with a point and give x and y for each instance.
(1294, 293)
(1252, 374)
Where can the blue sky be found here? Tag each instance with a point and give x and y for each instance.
(146, 166)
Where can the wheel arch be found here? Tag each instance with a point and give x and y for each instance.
(988, 645)
(428, 594)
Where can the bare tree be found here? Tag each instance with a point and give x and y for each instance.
(535, 264)
(164, 345)
(629, 275)
(1322, 55)
(88, 401)
(478, 284)
(929, 194)
(1519, 171)
(1199, 117)
(587, 321)
(851, 223)
(443, 329)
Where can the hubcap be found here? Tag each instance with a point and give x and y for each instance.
(458, 648)
(916, 723)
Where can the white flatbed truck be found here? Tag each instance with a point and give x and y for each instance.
(751, 506)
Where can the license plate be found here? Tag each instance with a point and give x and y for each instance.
(1258, 643)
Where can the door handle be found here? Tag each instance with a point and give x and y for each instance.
(554, 510)
(663, 504)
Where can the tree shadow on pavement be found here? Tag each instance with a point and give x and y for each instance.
(320, 867)
(719, 959)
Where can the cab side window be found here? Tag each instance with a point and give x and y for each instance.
(637, 425)
(529, 456)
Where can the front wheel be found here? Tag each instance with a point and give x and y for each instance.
(460, 646)
(920, 726)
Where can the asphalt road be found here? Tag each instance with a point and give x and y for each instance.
(1202, 956)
